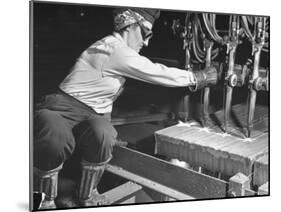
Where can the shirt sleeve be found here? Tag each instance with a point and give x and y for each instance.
(128, 63)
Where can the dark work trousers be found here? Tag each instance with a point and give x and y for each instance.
(62, 124)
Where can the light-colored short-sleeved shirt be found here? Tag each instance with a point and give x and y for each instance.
(98, 75)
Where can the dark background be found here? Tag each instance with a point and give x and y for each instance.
(62, 31)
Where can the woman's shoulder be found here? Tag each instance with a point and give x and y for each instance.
(106, 45)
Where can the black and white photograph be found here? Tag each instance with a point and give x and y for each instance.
(137, 105)
(123, 105)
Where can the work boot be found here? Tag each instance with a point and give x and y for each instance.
(46, 182)
(88, 194)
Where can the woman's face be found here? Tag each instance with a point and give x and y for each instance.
(135, 39)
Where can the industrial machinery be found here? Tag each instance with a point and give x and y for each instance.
(226, 152)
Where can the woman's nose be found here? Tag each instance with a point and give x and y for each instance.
(145, 42)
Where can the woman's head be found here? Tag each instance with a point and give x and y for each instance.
(135, 25)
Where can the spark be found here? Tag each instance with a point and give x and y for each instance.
(186, 124)
(223, 134)
(247, 140)
(204, 129)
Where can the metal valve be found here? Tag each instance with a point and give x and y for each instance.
(261, 83)
(232, 80)
(239, 75)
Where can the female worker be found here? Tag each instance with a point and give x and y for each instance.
(84, 101)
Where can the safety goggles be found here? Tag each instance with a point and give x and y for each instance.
(145, 32)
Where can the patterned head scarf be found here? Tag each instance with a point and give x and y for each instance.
(126, 16)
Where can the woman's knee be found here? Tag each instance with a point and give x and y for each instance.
(53, 141)
(101, 130)
(96, 138)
